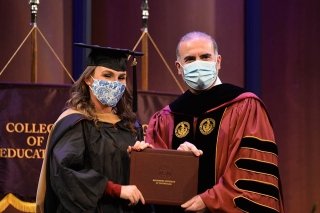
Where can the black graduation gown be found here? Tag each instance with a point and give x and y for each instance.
(82, 160)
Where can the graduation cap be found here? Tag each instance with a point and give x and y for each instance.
(113, 58)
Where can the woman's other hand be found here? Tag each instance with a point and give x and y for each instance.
(138, 146)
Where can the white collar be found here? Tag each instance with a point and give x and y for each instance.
(217, 82)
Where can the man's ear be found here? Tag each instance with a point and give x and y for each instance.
(179, 68)
(219, 60)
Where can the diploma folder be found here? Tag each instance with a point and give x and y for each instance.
(165, 176)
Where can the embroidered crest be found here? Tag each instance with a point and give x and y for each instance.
(182, 129)
(207, 125)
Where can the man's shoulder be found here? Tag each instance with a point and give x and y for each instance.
(164, 111)
(195, 104)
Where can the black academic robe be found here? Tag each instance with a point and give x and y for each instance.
(82, 158)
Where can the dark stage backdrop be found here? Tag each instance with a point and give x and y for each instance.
(118, 24)
(54, 30)
(290, 87)
(289, 62)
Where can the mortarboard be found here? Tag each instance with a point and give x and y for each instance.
(113, 58)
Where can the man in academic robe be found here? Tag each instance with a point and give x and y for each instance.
(227, 127)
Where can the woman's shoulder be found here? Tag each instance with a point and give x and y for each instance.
(69, 118)
(70, 113)
(68, 121)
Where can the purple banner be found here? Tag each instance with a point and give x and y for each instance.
(27, 112)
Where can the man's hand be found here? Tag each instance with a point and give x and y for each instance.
(131, 193)
(187, 146)
(195, 204)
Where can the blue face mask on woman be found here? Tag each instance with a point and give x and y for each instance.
(200, 75)
(107, 92)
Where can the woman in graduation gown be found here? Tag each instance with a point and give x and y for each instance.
(86, 168)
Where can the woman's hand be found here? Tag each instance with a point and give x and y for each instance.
(138, 146)
(187, 146)
(131, 193)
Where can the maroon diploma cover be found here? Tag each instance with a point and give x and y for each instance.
(165, 176)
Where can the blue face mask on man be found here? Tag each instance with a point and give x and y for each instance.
(200, 75)
(107, 92)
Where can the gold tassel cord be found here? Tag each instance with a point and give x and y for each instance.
(166, 64)
(56, 55)
(48, 44)
(14, 54)
(136, 45)
(161, 56)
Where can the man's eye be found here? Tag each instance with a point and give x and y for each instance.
(188, 60)
(206, 57)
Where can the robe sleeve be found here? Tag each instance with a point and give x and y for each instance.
(247, 163)
(160, 128)
(77, 186)
(113, 189)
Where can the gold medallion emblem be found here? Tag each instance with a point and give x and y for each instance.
(207, 125)
(182, 129)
